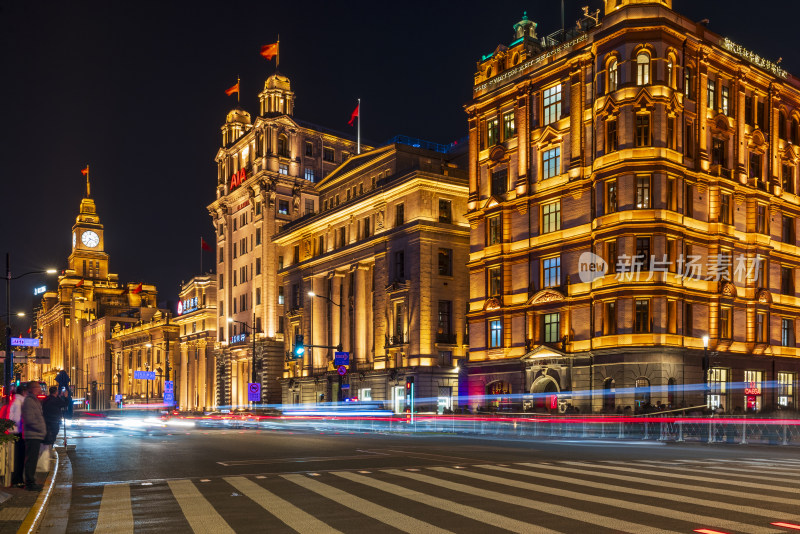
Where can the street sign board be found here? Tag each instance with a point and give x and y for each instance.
(254, 392)
(169, 392)
(342, 370)
(117, 398)
(341, 358)
(144, 375)
(41, 355)
(24, 341)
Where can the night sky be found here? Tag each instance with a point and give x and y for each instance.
(136, 90)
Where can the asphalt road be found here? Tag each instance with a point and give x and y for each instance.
(307, 480)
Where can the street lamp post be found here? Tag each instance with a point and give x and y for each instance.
(8, 373)
(706, 368)
(339, 346)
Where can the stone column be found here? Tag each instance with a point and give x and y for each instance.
(360, 315)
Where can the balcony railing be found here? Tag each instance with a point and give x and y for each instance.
(398, 339)
(446, 339)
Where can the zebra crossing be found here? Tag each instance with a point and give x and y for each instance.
(750, 496)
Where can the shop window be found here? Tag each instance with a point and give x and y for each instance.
(642, 393)
(786, 390)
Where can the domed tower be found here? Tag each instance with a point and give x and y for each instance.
(611, 5)
(525, 28)
(237, 123)
(277, 97)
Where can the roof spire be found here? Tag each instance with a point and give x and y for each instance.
(85, 172)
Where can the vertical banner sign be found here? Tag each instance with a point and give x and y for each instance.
(254, 392)
(169, 392)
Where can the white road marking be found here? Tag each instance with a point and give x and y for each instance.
(200, 514)
(384, 515)
(116, 512)
(448, 505)
(290, 514)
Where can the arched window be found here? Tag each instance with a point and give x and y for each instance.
(793, 132)
(609, 394)
(642, 392)
(642, 69)
(613, 76)
(782, 125)
(671, 72)
(671, 387)
(687, 82)
(283, 146)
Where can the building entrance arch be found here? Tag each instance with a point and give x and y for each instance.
(543, 389)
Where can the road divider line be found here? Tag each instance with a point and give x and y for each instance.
(618, 525)
(116, 510)
(448, 505)
(661, 495)
(623, 504)
(290, 514)
(200, 514)
(614, 477)
(384, 515)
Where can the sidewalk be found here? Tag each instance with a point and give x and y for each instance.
(25, 511)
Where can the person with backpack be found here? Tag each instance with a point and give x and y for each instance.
(34, 431)
(52, 407)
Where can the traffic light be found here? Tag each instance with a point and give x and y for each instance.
(299, 348)
(17, 379)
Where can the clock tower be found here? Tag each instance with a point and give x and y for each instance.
(88, 258)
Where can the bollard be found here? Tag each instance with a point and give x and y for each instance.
(646, 430)
(785, 437)
(744, 432)
(710, 431)
(680, 432)
(621, 434)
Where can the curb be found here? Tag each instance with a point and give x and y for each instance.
(34, 518)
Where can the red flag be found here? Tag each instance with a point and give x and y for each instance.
(205, 246)
(85, 171)
(269, 51)
(232, 89)
(138, 289)
(79, 284)
(354, 115)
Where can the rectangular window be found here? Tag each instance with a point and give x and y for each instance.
(509, 127)
(283, 207)
(328, 154)
(495, 281)
(493, 229)
(725, 323)
(761, 328)
(786, 388)
(444, 322)
(611, 196)
(258, 295)
(309, 206)
(787, 178)
(611, 256)
(725, 208)
(718, 152)
(643, 130)
(499, 182)
(446, 262)
(342, 237)
(688, 320)
(445, 211)
(672, 319)
(399, 215)
(491, 132)
(610, 318)
(308, 174)
(688, 201)
(258, 236)
(688, 140)
(611, 135)
(725, 103)
(787, 281)
(495, 334)
(551, 272)
(280, 262)
(643, 252)
(671, 133)
(643, 192)
(283, 168)
(234, 251)
(551, 217)
(366, 228)
(551, 105)
(321, 245)
(787, 332)
(309, 149)
(258, 266)
(234, 278)
(762, 116)
(551, 163)
(280, 295)
(641, 321)
(761, 219)
(671, 200)
(755, 166)
(221, 254)
(297, 298)
(748, 110)
(221, 279)
(296, 254)
(712, 94)
(787, 231)
(552, 327)
(399, 265)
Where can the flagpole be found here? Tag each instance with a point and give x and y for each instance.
(238, 93)
(201, 255)
(358, 148)
(278, 53)
(88, 188)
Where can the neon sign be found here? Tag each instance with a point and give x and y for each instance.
(752, 389)
(39, 290)
(238, 338)
(237, 178)
(753, 58)
(188, 305)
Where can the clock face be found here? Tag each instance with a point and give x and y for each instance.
(74, 239)
(90, 239)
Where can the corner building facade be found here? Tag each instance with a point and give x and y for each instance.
(267, 170)
(606, 165)
(385, 259)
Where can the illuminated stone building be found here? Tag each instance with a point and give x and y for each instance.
(196, 374)
(644, 138)
(386, 260)
(76, 320)
(267, 170)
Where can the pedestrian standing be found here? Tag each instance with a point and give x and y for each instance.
(15, 414)
(34, 431)
(52, 410)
